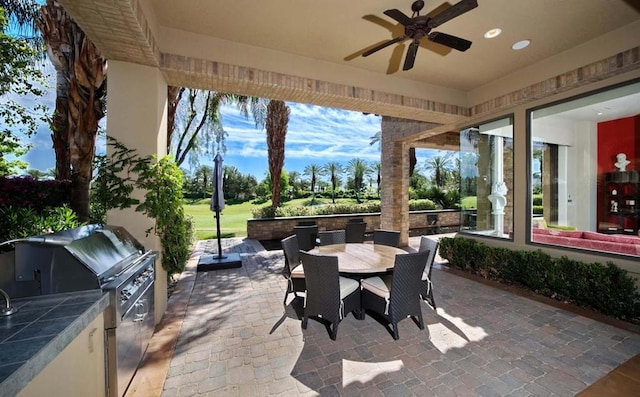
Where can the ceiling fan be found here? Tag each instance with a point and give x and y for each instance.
(419, 26)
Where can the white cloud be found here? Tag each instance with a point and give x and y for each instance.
(313, 132)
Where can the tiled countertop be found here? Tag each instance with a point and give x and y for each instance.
(40, 330)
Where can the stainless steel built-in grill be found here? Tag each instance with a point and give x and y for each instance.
(96, 257)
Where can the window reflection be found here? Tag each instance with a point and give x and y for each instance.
(584, 180)
(486, 178)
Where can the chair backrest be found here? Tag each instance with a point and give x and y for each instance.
(386, 237)
(427, 244)
(306, 236)
(323, 285)
(291, 254)
(355, 220)
(405, 285)
(355, 232)
(332, 237)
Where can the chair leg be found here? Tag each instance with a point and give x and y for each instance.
(334, 331)
(433, 302)
(420, 320)
(395, 331)
(286, 294)
(304, 321)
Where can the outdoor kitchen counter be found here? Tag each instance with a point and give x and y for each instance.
(40, 330)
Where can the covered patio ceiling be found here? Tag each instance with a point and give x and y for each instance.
(309, 51)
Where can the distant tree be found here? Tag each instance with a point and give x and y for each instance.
(313, 171)
(276, 126)
(203, 176)
(284, 182)
(295, 183)
(19, 77)
(439, 167)
(36, 174)
(334, 170)
(468, 173)
(358, 169)
(538, 155)
(237, 186)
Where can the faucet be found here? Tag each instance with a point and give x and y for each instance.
(8, 309)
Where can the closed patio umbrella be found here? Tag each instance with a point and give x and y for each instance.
(219, 261)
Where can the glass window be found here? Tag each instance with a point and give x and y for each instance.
(585, 189)
(486, 178)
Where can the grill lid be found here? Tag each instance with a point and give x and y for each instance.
(99, 247)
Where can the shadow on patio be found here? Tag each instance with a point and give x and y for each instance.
(236, 338)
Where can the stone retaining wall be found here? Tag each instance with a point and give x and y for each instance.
(279, 228)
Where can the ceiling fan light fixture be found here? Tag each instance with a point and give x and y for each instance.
(521, 44)
(492, 33)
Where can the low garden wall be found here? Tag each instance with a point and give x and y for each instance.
(279, 228)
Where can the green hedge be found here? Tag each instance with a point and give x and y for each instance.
(604, 288)
(332, 209)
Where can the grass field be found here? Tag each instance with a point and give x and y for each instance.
(233, 220)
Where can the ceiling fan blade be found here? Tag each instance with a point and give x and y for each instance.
(411, 55)
(450, 41)
(399, 16)
(383, 45)
(452, 12)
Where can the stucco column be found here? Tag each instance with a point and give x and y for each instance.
(394, 193)
(137, 117)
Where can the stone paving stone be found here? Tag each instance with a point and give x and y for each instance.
(237, 338)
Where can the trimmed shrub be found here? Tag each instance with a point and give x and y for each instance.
(17, 222)
(604, 288)
(27, 192)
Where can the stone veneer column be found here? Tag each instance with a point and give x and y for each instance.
(137, 117)
(394, 190)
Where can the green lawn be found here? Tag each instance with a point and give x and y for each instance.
(233, 220)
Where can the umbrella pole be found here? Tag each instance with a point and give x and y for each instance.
(219, 261)
(218, 232)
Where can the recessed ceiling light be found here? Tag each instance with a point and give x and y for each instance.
(521, 44)
(491, 33)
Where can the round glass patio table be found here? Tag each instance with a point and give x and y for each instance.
(361, 258)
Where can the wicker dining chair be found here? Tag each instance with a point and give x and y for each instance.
(306, 236)
(355, 232)
(427, 244)
(329, 296)
(332, 237)
(386, 237)
(291, 250)
(397, 296)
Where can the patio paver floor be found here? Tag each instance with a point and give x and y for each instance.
(237, 338)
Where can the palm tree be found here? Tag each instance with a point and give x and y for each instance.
(333, 169)
(36, 174)
(313, 171)
(358, 169)
(276, 125)
(201, 121)
(81, 91)
(202, 175)
(413, 160)
(439, 166)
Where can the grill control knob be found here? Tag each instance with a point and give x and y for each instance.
(125, 294)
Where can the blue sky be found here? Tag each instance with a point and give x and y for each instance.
(315, 135)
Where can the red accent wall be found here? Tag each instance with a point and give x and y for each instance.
(616, 136)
